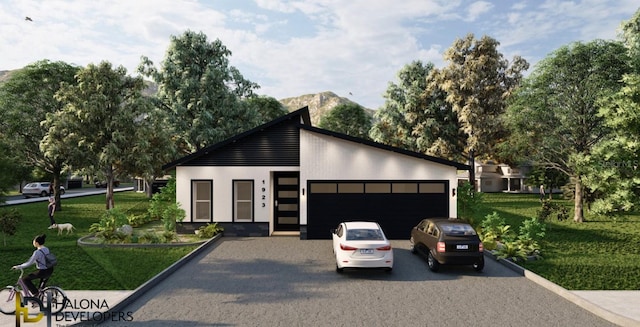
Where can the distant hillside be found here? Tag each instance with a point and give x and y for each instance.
(319, 104)
(4, 75)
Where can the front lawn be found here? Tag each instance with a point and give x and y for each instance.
(599, 254)
(81, 268)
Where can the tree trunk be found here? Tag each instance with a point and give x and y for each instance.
(110, 202)
(56, 188)
(148, 187)
(578, 215)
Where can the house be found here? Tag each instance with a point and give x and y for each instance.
(287, 177)
(492, 177)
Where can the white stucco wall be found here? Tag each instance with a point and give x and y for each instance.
(223, 178)
(328, 158)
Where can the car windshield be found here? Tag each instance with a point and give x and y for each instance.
(364, 235)
(457, 229)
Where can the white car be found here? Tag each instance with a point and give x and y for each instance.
(38, 189)
(361, 244)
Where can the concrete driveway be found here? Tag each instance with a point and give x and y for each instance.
(284, 281)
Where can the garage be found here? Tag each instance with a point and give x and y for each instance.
(397, 205)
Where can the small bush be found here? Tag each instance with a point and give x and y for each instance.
(107, 227)
(9, 220)
(149, 236)
(210, 230)
(549, 209)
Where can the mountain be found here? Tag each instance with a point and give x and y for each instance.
(4, 75)
(319, 104)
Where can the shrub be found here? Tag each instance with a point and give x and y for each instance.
(107, 227)
(210, 230)
(9, 223)
(550, 208)
(149, 236)
(532, 229)
(469, 202)
(494, 229)
(163, 206)
(511, 250)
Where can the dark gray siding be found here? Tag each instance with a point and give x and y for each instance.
(276, 146)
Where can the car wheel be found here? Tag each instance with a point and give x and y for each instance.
(338, 269)
(389, 269)
(62, 192)
(434, 265)
(412, 248)
(44, 193)
(478, 266)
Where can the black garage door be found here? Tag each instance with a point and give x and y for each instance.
(396, 205)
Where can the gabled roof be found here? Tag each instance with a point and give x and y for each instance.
(303, 114)
(386, 147)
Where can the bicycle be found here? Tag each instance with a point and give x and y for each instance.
(55, 294)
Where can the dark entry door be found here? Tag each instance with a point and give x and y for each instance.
(286, 206)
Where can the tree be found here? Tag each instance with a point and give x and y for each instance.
(477, 83)
(200, 90)
(25, 100)
(630, 36)
(613, 169)
(347, 118)
(102, 123)
(8, 168)
(555, 112)
(268, 108)
(392, 126)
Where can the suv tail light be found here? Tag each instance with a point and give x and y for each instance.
(347, 248)
(441, 247)
(384, 248)
(481, 247)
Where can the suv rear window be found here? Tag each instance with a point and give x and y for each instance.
(457, 229)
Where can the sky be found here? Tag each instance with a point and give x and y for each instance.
(353, 48)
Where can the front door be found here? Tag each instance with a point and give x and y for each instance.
(286, 206)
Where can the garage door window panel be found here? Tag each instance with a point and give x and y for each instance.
(405, 188)
(432, 188)
(327, 188)
(378, 188)
(351, 188)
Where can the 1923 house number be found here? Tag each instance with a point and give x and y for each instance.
(263, 196)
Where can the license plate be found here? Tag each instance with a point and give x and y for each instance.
(462, 247)
(366, 251)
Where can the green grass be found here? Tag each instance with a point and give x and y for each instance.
(85, 268)
(599, 254)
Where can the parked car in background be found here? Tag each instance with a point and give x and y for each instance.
(103, 184)
(39, 189)
(447, 241)
(361, 244)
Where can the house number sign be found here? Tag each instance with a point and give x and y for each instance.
(263, 196)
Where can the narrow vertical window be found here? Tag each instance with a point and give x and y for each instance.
(202, 195)
(243, 200)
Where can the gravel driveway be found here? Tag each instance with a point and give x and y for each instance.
(284, 281)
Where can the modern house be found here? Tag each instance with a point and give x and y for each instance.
(287, 177)
(492, 177)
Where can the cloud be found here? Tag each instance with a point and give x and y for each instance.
(476, 10)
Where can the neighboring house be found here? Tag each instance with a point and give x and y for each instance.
(287, 177)
(492, 177)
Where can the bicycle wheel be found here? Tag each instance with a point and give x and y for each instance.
(58, 298)
(8, 300)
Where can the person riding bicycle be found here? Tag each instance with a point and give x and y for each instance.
(37, 258)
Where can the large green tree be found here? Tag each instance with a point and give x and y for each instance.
(201, 91)
(477, 82)
(554, 115)
(613, 169)
(392, 126)
(25, 100)
(102, 124)
(347, 118)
